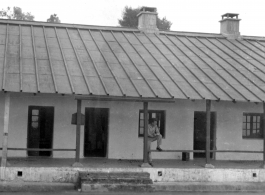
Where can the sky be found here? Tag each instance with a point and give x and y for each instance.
(186, 15)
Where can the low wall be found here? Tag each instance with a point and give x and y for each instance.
(70, 175)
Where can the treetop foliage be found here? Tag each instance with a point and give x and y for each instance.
(129, 19)
(54, 19)
(16, 13)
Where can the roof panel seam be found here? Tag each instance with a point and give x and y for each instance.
(114, 76)
(164, 68)
(20, 60)
(193, 72)
(250, 50)
(50, 61)
(35, 59)
(234, 68)
(245, 67)
(122, 64)
(80, 65)
(207, 65)
(4, 67)
(198, 93)
(150, 67)
(94, 64)
(65, 64)
(219, 65)
(255, 47)
(137, 67)
(260, 44)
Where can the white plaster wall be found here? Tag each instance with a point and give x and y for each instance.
(229, 131)
(123, 140)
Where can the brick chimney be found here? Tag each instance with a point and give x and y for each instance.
(147, 20)
(230, 26)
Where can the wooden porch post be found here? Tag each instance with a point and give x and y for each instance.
(145, 161)
(263, 122)
(78, 127)
(208, 139)
(5, 131)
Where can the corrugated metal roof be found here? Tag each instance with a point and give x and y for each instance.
(72, 59)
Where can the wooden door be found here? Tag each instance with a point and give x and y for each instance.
(200, 133)
(40, 129)
(96, 132)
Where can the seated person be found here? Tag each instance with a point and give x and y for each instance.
(153, 135)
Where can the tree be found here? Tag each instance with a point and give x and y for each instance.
(54, 19)
(16, 14)
(129, 19)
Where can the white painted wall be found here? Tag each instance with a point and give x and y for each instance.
(123, 126)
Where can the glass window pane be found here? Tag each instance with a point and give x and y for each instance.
(244, 125)
(34, 118)
(141, 131)
(141, 115)
(254, 118)
(244, 133)
(248, 125)
(255, 126)
(248, 118)
(254, 132)
(141, 123)
(258, 118)
(248, 132)
(258, 125)
(35, 125)
(244, 118)
(35, 112)
(153, 115)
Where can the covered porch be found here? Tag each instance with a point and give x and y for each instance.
(132, 164)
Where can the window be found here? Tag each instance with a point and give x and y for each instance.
(252, 125)
(157, 114)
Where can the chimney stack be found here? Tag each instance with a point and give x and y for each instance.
(147, 20)
(230, 26)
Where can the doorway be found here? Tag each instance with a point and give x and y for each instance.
(200, 133)
(96, 132)
(40, 129)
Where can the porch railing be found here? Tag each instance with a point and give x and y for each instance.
(211, 151)
(39, 149)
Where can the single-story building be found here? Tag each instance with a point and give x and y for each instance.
(114, 76)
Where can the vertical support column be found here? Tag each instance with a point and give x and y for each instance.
(263, 128)
(145, 161)
(78, 127)
(208, 137)
(5, 131)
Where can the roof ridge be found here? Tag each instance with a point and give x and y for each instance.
(66, 25)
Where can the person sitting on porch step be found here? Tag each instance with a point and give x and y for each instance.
(153, 135)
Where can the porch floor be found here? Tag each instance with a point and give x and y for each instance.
(116, 163)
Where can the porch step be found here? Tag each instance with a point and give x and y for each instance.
(115, 181)
(20, 186)
(209, 187)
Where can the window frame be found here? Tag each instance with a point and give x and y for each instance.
(162, 121)
(251, 124)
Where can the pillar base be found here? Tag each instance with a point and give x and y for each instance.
(77, 164)
(210, 166)
(145, 165)
(7, 164)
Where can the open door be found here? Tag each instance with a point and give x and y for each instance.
(200, 133)
(96, 132)
(40, 129)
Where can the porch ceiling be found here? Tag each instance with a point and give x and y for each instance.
(108, 61)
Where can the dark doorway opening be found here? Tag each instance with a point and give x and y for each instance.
(40, 129)
(200, 133)
(96, 132)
